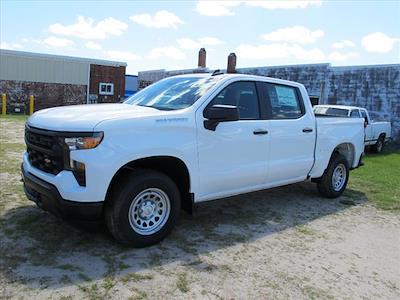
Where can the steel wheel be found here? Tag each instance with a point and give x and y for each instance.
(149, 211)
(379, 145)
(339, 177)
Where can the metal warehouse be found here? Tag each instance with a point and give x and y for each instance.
(56, 80)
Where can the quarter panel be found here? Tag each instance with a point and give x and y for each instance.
(332, 132)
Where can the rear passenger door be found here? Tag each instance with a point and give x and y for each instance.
(292, 134)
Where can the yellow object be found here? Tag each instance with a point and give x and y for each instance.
(3, 104)
(31, 104)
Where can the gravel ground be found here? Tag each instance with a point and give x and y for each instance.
(281, 243)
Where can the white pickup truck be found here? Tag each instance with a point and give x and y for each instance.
(376, 133)
(181, 141)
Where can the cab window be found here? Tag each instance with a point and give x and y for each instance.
(284, 101)
(243, 95)
(354, 113)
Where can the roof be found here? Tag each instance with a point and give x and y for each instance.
(62, 57)
(227, 76)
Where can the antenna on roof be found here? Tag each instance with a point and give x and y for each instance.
(217, 72)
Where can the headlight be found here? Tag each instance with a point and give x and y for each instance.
(84, 142)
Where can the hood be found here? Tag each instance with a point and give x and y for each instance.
(86, 117)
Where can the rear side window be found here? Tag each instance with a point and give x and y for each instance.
(354, 113)
(243, 95)
(285, 102)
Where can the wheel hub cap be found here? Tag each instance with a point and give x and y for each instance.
(339, 177)
(149, 211)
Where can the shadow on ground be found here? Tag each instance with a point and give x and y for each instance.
(40, 250)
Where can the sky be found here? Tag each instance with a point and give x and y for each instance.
(167, 35)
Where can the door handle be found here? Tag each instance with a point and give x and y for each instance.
(260, 131)
(307, 130)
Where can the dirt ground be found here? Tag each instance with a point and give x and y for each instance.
(276, 244)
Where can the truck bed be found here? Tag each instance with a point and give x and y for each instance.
(333, 131)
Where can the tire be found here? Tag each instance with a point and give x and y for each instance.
(330, 185)
(378, 147)
(143, 208)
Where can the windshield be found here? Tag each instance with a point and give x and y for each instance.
(331, 111)
(173, 93)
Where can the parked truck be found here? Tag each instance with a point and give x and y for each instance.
(376, 133)
(181, 141)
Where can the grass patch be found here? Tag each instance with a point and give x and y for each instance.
(21, 118)
(69, 267)
(305, 230)
(11, 157)
(91, 292)
(379, 179)
(139, 294)
(182, 283)
(84, 277)
(136, 277)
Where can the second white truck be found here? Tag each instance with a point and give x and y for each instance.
(181, 141)
(376, 133)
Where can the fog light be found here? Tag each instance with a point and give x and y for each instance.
(78, 169)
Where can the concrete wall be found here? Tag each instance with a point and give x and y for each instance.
(46, 94)
(376, 88)
(312, 76)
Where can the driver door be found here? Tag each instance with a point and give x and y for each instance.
(233, 158)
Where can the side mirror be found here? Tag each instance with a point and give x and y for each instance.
(219, 113)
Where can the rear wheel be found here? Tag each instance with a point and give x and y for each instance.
(143, 208)
(334, 180)
(378, 147)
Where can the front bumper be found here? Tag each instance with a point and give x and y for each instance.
(47, 197)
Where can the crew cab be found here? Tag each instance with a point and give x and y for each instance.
(181, 141)
(376, 133)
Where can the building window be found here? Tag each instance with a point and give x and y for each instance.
(106, 88)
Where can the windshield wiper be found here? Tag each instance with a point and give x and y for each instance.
(159, 107)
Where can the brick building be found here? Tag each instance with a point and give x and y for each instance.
(58, 80)
(375, 87)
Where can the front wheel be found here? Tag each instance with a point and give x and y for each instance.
(143, 208)
(334, 180)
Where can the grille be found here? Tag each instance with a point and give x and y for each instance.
(44, 150)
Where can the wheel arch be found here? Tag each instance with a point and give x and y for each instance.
(348, 151)
(345, 148)
(172, 166)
